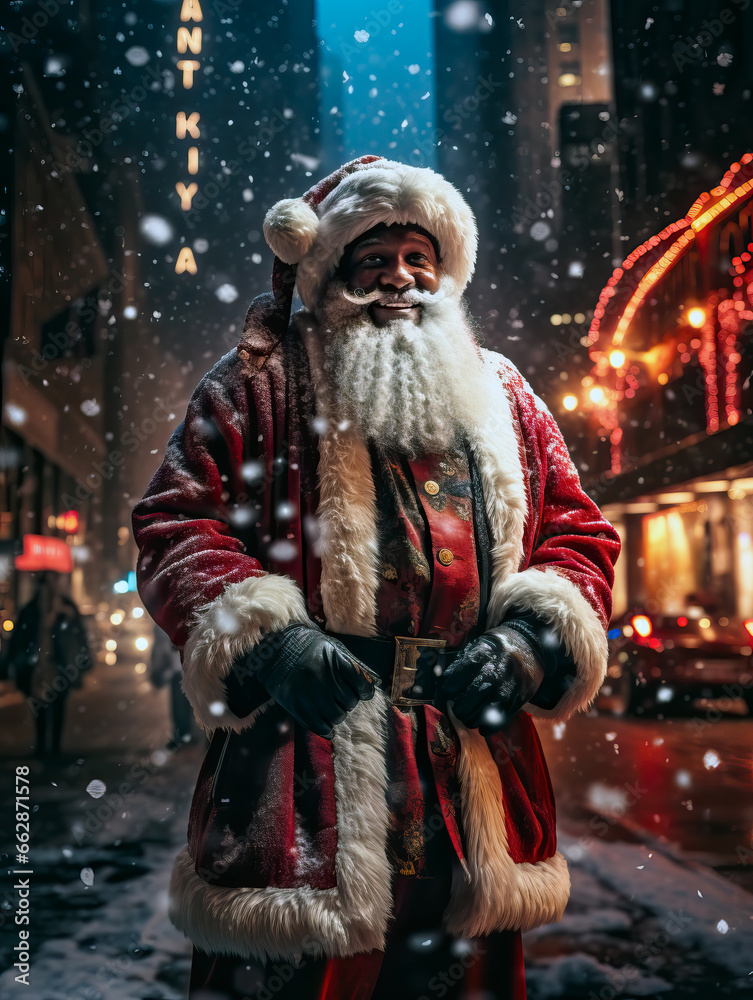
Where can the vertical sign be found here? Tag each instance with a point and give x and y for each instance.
(187, 122)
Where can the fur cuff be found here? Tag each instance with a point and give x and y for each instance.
(227, 627)
(553, 596)
(283, 924)
(498, 893)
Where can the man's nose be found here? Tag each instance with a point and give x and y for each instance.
(397, 277)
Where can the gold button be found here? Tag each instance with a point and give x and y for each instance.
(445, 556)
(431, 487)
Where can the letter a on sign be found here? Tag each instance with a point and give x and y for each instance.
(191, 11)
(185, 261)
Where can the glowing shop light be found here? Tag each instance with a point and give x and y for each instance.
(642, 625)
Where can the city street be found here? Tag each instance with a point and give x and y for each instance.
(650, 831)
(425, 320)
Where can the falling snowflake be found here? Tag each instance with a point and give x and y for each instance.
(282, 551)
(252, 471)
(156, 229)
(711, 760)
(137, 55)
(361, 36)
(87, 876)
(722, 926)
(96, 788)
(539, 231)
(90, 407)
(227, 293)
(15, 414)
(285, 510)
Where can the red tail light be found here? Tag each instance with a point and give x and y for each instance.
(682, 621)
(748, 623)
(643, 626)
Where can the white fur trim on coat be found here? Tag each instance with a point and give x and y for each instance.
(227, 627)
(550, 594)
(287, 923)
(497, 449)
(346, 514)
(389, 192)
(502, 894)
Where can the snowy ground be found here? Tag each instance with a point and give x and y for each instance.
(642, 924)
(111, 938)
(639, 923)
(643, 920)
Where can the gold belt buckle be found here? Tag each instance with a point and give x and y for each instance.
(407, 652)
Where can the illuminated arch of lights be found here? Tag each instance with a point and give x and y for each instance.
(717, 323)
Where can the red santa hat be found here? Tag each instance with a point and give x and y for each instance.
(309, 234)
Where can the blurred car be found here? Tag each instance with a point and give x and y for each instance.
(660, 662)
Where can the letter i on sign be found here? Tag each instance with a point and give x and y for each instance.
(188, 124)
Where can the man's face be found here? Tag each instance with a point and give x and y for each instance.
(393, 259)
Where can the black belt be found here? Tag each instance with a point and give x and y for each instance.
(408, 667)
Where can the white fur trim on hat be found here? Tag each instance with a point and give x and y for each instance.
(289, 229)
(382, 191)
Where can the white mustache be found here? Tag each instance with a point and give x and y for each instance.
(415, 297)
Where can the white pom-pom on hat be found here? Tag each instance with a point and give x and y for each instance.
(290, 229)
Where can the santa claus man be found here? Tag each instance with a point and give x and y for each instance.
(371, 545)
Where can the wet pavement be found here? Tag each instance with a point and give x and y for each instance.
(682, 782)
(655, 819)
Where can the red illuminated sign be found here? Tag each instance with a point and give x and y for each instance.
(41, 552)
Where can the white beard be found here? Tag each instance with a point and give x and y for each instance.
(410, 387)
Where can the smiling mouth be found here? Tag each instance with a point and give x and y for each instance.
(395, 306)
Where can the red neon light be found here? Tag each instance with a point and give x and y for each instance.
(697, 218)
(41, 552)
(70, 522)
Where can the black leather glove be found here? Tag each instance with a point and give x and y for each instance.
(491, 680)
(308, 673)
(519, 661)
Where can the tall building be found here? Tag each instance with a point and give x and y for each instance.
(534, 148)
(76, 328)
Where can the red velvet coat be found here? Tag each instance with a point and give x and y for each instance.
(263, 513)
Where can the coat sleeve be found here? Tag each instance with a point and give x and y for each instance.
(212, 597)
(569, 575)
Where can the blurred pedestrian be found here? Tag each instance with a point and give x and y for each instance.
(48, 655)
(165, 669)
